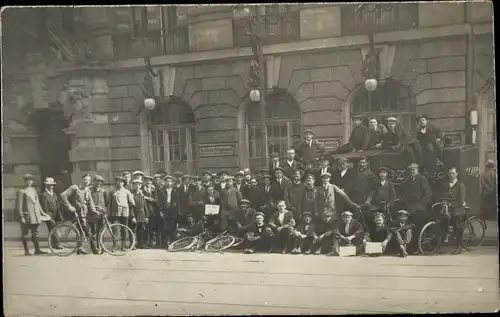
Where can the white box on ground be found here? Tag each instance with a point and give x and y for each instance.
(347, 251)
(373, 248)
(212, 210)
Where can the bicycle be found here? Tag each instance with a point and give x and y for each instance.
(206, 239)
(433, 233)
(385, 210)
(71, 237)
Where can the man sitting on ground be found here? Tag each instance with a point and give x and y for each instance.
(304, 236)
(192, 229)
(258, 236)
(379, 233)
(402, 231)
(349, 232)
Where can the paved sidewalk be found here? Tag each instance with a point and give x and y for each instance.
(11, 232)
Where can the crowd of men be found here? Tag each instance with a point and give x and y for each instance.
(301, 204)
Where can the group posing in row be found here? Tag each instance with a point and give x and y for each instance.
(292, 206)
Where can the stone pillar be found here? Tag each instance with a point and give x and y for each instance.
(85, 99)
(37, 71)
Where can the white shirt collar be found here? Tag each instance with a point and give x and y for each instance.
(342, 173)
(453, 183)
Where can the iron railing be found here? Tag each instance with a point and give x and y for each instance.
(401, 16)
(279, 28)
(153, 43)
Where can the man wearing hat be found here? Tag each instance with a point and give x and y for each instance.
(168, 202)
(247, 177)
(222, 184)
(290, 164)
(140, 214)
(253, 193)
(358, 140)
(304, 235)
(212, 198)
(184, 191)
(402, 231)
(309, 169)
(279, 185)
(417, 194)
(293, 192)
(267, 205)
(309, 199)
(380, 198)
(379, 232)
(429, 146)
(78, 200)
(275, 163)
(364, 182)
(238, 181)
(29, 214)
(138, 175)
(246, 218)
(489, 191)
(206, 179)
(258, 237)
(282, 224)
(230, 199)
(151, 196)
(309, 149)
(328, 193)
(50, 205)
(196, 199)
(127, 177)
(324, 230)
(396, 140)
(348, 232)
(100, 199)
(177, 178)
(323, 169)
(344, 178)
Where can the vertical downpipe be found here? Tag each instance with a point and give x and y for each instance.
(470, 70)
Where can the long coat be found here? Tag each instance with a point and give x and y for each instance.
(28, 206)
(141, 211)
(416, 193)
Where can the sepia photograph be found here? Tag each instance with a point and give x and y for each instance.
(329, 158)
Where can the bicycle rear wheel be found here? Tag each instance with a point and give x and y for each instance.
(117, 239)
(183, 244)
(220, 243)
(430, 239)
(66, 237)
(237, 242)
(474, 233)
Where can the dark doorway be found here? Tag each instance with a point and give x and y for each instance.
(53, 143)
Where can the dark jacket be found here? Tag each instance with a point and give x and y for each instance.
(309, 231)
(194, 230)
(395, 140)
(141, 211)
(319, 171)
(288, 170)
(288, 219)
(253, 194)
(246, 218)
(292, 196)
(169, 209)
(307, 153)
(379, 234)
(278, 190)
(382, 193)
(309, 200)
(456, 193)
(230, 201)
(416, 193)
(347, 182)
(326, 228)
(183, 199)
(266, 198)
(196, 202)
(432, 133)
(359, 138)
(355, 228)
(50, 204)
(364, 182)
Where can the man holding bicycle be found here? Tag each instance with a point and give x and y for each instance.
(78, 200)
(454, 192)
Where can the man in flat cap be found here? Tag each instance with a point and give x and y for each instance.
(348, 232)
(168, 201)
(230, 199)
(127, 177)
(293, 192)
(151, 196)
(248, 176)
(379, 232)
(258, 237)
(177, 178)
(29, 214)
(196, 199)
(238, 181)
(324, 230)
(309, 199)
(222, 184)
(138, 175)
(253, 192)
(309, 149)
(275, 163)
(279, 185)
(328, 193)
(304, 235)
(323, 169)
(211, 198)
(344, 178)
(184, 191)
(246, 218)
(290, 164)
(417, 194)
(121, 202)
(140, 214)
(358, 140)
(402, 230)
(267, 204)
(101, 200)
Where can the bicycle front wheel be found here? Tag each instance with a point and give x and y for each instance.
(220, 243)
(183, 244)
(64, 239)
(474, 233)
(429, 239)
(117, 239)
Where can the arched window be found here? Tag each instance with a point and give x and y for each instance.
(283, 121)
(391, 99)
(173, 143)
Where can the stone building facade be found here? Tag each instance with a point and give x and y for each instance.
(439, 56)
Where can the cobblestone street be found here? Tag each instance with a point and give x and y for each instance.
(158, 282)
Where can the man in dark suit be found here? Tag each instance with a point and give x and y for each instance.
(282, 224)
(348, 232)
(309, 198)
(275, 163)
(222, 183)
(291, 164)
(358, 140)
(183, 204)
(195, 199)
(292, 193)
(364, 182)
(238, 181)
(344, 178)
(279, 185)
(168, 201)
(258, 236)
(267, 204)
(309, 149)
(230, 199)
(50, 205)
(212, 198)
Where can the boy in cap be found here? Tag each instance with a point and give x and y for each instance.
(78, 200)
(328, 193)
(258, 237)
(309, 149)
(292, 193)
(121, 201)
(358, 140)
(348, 232)
(127, 177)
(304, 235)
(100, 199)
(282, 224)
(402, 230)
(50, 205)
(29, 214)
(324, 231)
(323, 169)
(138, 175)
(140, 214)
(230, 199)
(379, 232)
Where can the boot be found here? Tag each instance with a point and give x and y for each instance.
(56, 244)
(36, 243)
(26, 250)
